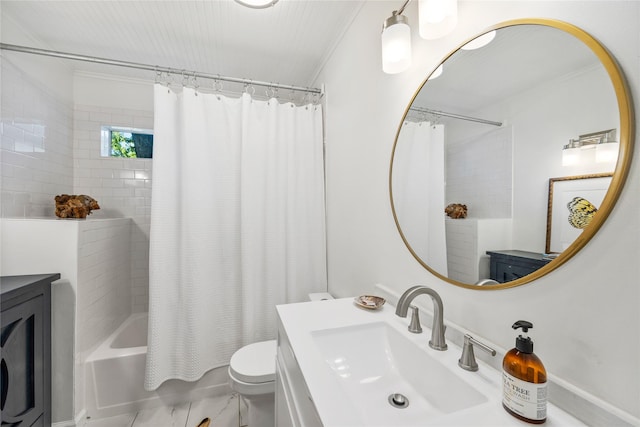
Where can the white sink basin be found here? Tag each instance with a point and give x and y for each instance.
(372, 361)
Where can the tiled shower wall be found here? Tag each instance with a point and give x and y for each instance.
(103, 287)
(103, 293)
(36, 160)
(122, 187)
(487, 195)
(49, 147)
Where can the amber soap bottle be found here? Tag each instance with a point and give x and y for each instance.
(524, 380)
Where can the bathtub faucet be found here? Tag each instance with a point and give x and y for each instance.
(437, 341)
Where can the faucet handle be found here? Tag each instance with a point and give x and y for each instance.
(468, 359)
(414, 325)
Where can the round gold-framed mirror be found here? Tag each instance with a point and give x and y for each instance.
(492, 138)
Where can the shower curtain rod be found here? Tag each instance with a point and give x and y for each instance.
(157, 69)
(454, 116)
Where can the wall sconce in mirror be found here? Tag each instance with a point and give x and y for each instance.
(480, 41)
(436, 73)
(437, 18)
(604, 143)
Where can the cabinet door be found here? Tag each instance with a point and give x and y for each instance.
(506, 272)
(22, 365)
(284, 412)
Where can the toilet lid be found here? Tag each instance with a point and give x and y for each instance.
(255, 363)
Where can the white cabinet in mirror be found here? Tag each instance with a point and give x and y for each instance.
(489, 134)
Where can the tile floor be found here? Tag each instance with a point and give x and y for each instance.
(224, 411)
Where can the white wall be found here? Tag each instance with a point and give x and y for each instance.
(541, 125)
(585, 314)
(537, 143)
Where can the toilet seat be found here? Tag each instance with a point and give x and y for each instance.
(254, 363)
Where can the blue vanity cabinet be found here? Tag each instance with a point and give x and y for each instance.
(25, 347)
(505, 266)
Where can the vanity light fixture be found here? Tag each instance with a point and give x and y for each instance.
(257, 4)
(604, 142)
(396, 42)
(571, 153)
(437, 18)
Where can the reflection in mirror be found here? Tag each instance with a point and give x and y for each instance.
(488, 134)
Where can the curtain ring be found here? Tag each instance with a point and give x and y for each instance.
(170, 80)
(217, 84)
(195, 83)
(249, 89)
(217, 87)
(270, 92)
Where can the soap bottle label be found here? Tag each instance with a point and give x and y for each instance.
(526, 399)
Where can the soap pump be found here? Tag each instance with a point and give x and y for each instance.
(524, 380)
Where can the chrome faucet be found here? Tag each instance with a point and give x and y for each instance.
(437, 341)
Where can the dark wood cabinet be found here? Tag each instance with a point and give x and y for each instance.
(25, 341)
(508, 265)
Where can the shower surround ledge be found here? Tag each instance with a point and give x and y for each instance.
(92, 298)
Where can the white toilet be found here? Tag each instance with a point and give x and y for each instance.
(252, 373)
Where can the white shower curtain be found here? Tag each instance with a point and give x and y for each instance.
(418, 191)
(237, 225)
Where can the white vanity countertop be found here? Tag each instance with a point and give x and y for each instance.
(301, 319)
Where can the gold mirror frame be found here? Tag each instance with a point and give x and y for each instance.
(627, 134)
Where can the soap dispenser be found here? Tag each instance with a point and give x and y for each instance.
(524, 380)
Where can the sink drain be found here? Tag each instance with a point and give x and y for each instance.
(398, 400)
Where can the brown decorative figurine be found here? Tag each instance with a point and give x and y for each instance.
(456, 210)
(72, 206)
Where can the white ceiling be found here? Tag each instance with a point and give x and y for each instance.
(519, 59)
(287, 43)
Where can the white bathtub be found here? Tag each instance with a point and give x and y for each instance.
(114, 375)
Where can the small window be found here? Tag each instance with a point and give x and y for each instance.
(127, 142)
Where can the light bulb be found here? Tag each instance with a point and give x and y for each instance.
(396, 45)
(607, 152)
(571, 156)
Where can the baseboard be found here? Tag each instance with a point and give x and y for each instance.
(79, 421)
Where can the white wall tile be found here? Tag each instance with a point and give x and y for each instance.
(104, 288)
(35, 149)
(121, 186)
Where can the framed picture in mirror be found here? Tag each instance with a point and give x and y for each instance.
(573, 203)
